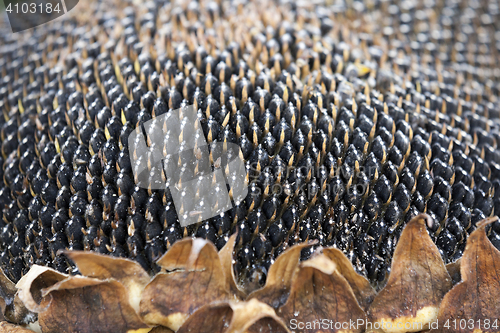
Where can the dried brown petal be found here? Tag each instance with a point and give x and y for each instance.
(211, 317)
(475, 299)
(10, 328)
(30, 286)
(189, 253)
(279, 280)
(416, 285)
(251, 316)
(226, 259)
(320, 292)
(82, 304)
(171, 297)
(254, 316)
(125, 271)
(360, 285)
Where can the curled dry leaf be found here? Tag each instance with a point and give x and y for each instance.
(232, 317)
(198, 279)
(76, 303)
(279, 280)
(320, 292)
(82, 304)
(475, 299)
(226, 258)
(127, 272)
(30, 286)
(361, 287)
(416, 285)
(255, 316)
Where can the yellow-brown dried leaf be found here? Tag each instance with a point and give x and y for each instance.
(199, 279)
(82, 304)
(186, 254)
(279, 279)
(361, 287)
(226, 259)
(476, 298)
(30, 286)
(320, 292)
(129, 273)
(417, 283)
(232, 317)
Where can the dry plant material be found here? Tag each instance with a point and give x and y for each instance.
(30, 286)
(279, 280)
(475, 300)
(77, 303)
(453, 269)
(345, 122)
(361, 287)
(231, 317)
(319, 292)
(81, 304)
(5, 327)
(417, 282)
(226, 258)
(325, 286)
(129, 273)
(11, 307)
(198, 279)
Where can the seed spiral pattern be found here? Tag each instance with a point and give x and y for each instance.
(352, 118)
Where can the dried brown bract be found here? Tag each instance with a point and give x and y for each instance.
(194, 277)
(196, 291)
(226, 317)
(127, 272)
(31, 285)
(280, 277)
(319, 292)
(77, 303)
(226, 258)
(416, 285)
(475, 299)
(81, 304)
(361, 288)
(5, 327)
